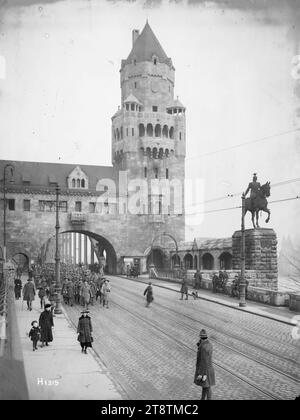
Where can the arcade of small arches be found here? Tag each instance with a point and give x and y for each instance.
(204, 261)
(148, 130)
(154, 153)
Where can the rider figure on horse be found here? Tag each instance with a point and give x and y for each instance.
(253, 187)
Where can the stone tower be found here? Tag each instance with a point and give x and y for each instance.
(148, 130)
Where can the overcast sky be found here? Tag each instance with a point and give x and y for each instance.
(233, 74)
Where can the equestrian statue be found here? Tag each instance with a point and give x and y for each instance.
(257, 200)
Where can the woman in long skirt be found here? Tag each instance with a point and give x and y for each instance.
(85, 331)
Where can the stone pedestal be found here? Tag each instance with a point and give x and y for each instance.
(261, 256)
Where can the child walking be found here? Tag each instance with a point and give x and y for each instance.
(34, 334)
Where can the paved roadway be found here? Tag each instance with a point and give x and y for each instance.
(151, 352)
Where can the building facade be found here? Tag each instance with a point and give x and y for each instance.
(119, 209)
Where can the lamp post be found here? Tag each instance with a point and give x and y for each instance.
(58, 309)
(8, 165)
(242, 302)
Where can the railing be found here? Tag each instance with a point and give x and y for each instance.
(167, 274)
(13, 384)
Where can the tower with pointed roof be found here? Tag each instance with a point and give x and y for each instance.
(148, 130)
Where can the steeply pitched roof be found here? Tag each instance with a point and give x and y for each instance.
(41, 173)
(145, 47)
(132, 98)
(176, 104)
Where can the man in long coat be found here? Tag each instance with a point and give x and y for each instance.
(18, 287)
(105, 291)
(85, 294)
(184, 290)
(46, 324)
(71, 292)
(29, 293)
(149, 294)
(204, 374)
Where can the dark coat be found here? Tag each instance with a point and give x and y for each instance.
(28, 291)
(204, 364)
(46, 324)
(184, 287)
(149, 294)
(85, 329)
(34, 333)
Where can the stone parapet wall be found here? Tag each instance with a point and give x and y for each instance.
(260, 255)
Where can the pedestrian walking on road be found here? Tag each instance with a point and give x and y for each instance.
(184, 288)
(204, 374)
(34, 334)
(18, 287)
(29, 293)
(46, 325)
(149, 294)
(85, 331)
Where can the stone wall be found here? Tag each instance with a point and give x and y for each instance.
(260, 255)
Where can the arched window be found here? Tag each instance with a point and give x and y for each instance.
(132, 107)
(188, 261)
(165, 131)
(157, 130)
(78, 183)
(155, 61)
(156, 172)
(148, 152)
(73, 183)
(150, 130)
(225, 261)
(171, 133)
(195, 262)
(154, 152)
(121, 133)
(141, 130)
(167, 152)
(160, 153)
(179, 135)
(208, 261)
(117, 133)
(145, 172)
(82, 183)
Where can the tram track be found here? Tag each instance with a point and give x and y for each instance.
(232, 336)
(236, 376)
(285, 375)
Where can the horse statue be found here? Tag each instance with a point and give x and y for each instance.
(259, 203)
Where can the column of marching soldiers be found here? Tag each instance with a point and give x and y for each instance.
(80, 284)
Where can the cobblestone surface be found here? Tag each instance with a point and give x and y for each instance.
(151, 352)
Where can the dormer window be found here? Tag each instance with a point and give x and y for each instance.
(77, 179)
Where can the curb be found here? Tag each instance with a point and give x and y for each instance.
(218, 302)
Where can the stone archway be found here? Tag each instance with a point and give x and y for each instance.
(157, 257)
(225, 261)
(22, 262)
(188, 261)
(207, 261)
(81, 247)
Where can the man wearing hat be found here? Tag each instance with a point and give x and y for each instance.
(204, 374)
(46, 324)
(29, 293)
